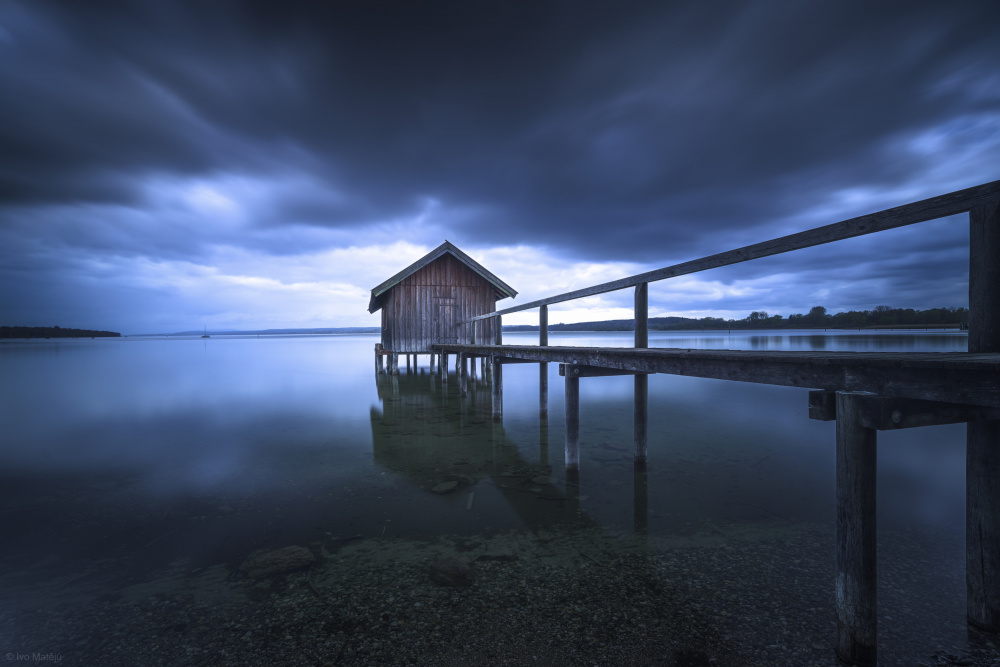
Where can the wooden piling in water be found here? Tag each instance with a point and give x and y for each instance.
(497, 372)
(444, 367)
(463, 379)
(572, 419)
(857, 624)
(543, 367)
(982, 467)
(641, 398)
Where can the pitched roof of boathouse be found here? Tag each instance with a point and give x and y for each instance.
(503, 290)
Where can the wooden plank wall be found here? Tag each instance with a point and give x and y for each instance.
(424, 308)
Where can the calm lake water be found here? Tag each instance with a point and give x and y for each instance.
(120, 459)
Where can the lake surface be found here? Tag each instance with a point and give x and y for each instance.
(154, 466)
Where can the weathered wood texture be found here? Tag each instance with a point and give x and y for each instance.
(642, 315)
(857, 625)
(982, 466)
(890, 414)
(900, 216)
(543, 326)
(951, 377)
(496, 383)
(572, 422)
(593, 371)
(427, 307)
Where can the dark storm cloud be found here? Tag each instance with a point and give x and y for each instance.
(643, 132)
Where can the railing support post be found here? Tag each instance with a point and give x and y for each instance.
(641, 416)
(982, 467)
(572, 419)
(543, 368)
(857, 624)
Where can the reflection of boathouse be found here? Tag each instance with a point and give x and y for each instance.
(428, 434)
(425, 303)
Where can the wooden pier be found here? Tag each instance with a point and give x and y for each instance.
(863, 392)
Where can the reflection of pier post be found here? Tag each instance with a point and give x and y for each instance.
(982, 469)
(857, 625)
(641, 416)
(572, 417)
(497, 373)
(543, 368)
(640, 497)
(573, 491)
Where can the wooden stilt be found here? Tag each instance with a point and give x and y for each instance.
(497, 385)
(395, 363)
(572, 420)
(463, 379)
(857, 624)
(444, 367)
(982, 466)
(379, 360)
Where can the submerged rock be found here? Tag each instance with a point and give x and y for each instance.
(445, 487)
(279, 561)
(452, 572)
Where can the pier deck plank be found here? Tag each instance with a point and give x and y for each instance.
(954, 377)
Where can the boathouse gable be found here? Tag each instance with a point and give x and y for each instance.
(425, 303)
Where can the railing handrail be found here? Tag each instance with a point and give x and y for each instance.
(960, 201)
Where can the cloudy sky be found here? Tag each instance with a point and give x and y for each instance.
(169, 165)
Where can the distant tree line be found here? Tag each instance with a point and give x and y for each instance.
(54, 332)
(816, 318)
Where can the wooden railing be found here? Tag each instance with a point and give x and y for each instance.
(961, 201)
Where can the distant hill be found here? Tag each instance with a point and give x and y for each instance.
(54, 332)
(275, 332)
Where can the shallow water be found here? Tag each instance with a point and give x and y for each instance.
(121, 459)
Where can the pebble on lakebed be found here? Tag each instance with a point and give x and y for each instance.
(544, 597)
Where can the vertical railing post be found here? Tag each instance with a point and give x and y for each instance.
(543, 368)
(641, 416)
(497, 371)
(982, 466)
(857, 624)
(572, 418)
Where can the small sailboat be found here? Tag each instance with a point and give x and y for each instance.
(206, 332)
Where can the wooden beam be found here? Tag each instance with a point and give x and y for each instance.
(857, 624)
(941, 206)
(593, 371)
(543, 368)
(982, 456)
(890, 414)
(949, 377)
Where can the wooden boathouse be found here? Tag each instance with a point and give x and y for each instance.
(426, 303)
(863, 392)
